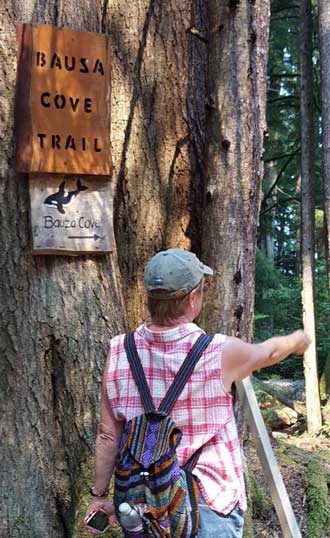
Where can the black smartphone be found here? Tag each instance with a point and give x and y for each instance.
(98, 520)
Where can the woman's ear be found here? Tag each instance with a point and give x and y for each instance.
(192, 298)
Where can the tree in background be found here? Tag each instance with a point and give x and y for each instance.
(58, 313)
(278, 301)
(314, 420)
(324, 44)
(324, 40)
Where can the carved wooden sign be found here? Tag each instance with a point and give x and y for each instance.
(62, 101)
(70, 215)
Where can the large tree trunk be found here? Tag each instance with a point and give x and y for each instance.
(324, 42)
(307, 216)
(57, 315)
(234, 168)
(158, 116)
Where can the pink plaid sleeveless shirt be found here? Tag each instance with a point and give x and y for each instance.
(203, 412)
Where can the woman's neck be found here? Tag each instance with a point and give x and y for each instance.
(154, 326)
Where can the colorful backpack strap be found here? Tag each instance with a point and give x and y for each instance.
(138, 373)
(184, 373)
(179, 381)
(177, 385)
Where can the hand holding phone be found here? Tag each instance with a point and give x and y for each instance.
(97, 521)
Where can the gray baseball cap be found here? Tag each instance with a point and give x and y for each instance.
(175, 270)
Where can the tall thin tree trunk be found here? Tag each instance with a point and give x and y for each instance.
(307, 216)
(267, 239)
(324, 43)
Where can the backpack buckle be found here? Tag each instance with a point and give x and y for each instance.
(144, 475)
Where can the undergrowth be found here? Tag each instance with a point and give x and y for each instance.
(318, 515)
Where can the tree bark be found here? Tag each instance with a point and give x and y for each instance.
(158, 124)
(236, 101)
(57, 313)
(236, 124)
(324, 44)
(56, 317)
(314, 420)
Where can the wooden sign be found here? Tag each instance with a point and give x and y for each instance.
(62, 109)
(70, 215)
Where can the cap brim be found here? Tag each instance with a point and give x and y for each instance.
(207, 270)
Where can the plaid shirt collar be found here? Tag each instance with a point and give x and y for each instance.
(169, 335)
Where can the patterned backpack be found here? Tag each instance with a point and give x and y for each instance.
(147, 471)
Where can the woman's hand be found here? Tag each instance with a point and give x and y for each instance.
(302, 342)
(107, 506)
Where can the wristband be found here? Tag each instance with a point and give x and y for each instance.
(93, 494)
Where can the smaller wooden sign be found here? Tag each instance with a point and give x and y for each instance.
(71, 214)
(62, 105)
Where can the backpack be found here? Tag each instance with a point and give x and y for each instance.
(147, 471)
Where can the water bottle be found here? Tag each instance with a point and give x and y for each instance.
(131, 520)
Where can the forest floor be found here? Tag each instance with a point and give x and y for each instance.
(293, 452)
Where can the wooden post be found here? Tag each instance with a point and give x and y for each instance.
(268, 461)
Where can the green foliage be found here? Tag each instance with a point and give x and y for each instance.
(248, 524)
(278, 312)
(317, 500)
(258, 505)
(259, 501)
(278, 298)
(278, 301)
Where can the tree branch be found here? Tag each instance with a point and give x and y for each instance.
(279, 157)
(284, 75)
(284, 8)
(278, 177)
(283, 98)
(291, 198)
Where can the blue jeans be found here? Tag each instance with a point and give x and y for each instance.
(215, 525)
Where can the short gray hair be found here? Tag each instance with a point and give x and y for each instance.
(169, 310)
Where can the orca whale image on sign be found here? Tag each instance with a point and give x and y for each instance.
(85, 228)
(61, 199)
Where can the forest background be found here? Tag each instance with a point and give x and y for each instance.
(278, 265)
(279, 301)
(189, 92)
